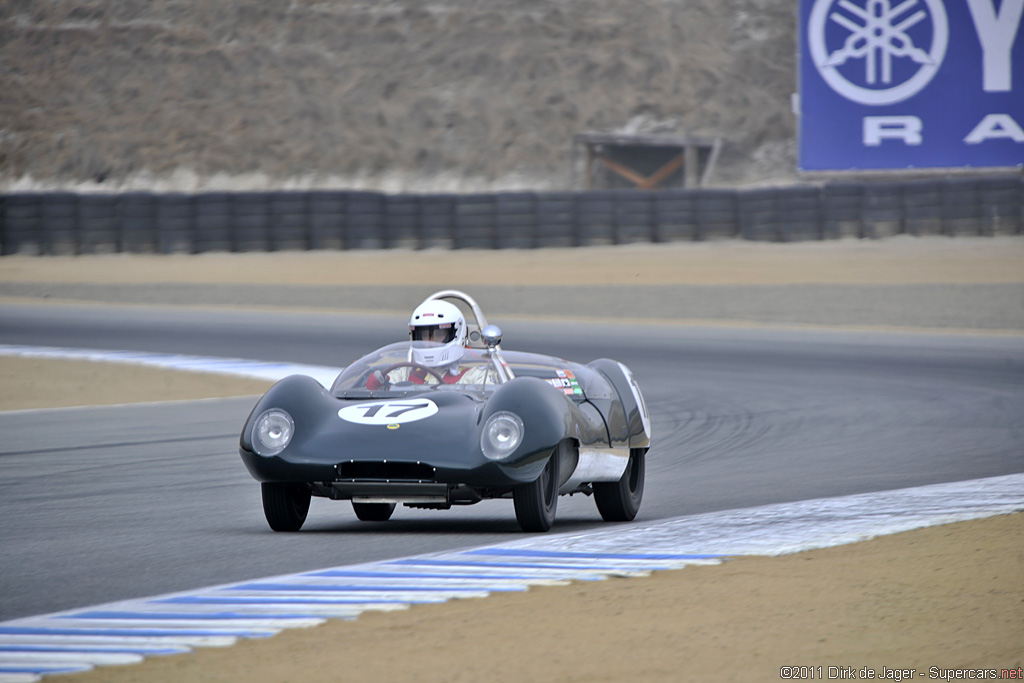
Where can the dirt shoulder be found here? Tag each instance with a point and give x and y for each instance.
(896, 261)
(31, 383)
(929, 283)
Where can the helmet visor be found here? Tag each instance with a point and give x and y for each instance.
(441, 334)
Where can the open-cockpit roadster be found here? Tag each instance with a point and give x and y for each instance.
(391, 430)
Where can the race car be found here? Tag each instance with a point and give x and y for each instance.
(395, 428)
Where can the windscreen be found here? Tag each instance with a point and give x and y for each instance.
(473, 373)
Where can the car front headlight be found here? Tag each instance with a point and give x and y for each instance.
(272, 432)
(502, 434)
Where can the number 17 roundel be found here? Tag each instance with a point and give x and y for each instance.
(389, 412)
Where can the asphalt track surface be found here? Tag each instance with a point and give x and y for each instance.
(107, 503)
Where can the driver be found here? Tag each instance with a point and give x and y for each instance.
(442, 323)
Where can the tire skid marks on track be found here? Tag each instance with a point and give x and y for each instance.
(126, 632)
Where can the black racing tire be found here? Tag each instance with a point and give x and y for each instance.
(285, 505)
(537, 501)
(619, 501)
(373, 512)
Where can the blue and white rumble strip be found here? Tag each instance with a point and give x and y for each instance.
(238, 367)
(127, 632)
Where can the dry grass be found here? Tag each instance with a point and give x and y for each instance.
(449, 93)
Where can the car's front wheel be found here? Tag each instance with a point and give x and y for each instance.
(619, 501)
(285, 505)
(537, 501)
(373, 512)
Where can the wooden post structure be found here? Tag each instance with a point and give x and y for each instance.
(622, 154)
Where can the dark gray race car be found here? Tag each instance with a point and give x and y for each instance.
(524, 426)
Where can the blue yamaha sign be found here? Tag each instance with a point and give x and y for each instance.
(911, 84)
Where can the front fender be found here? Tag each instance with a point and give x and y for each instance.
(547, 420)
(308, 404)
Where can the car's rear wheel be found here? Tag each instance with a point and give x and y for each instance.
(285, 505)
(373, 512)
(619, 501)
(537, 501)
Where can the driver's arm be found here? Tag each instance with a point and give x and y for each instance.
(418, 375)
(376, 381)
(476, 375)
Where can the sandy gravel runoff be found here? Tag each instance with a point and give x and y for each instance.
(30, 383)
(899, 260)
(949, 597)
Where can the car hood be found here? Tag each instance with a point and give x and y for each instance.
(441, 428)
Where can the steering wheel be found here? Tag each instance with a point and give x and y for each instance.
(409, 364)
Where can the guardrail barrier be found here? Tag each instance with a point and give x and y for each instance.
(142, 222)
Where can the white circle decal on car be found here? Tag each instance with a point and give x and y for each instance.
(389, 412)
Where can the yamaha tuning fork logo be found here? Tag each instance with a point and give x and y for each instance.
(911, 84)
(878, 53)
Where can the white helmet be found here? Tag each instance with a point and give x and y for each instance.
(442, 322)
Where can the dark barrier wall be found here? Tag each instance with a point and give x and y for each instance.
(141, 222)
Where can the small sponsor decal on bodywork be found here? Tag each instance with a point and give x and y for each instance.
(566, 381)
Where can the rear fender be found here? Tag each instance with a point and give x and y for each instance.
(634, 430)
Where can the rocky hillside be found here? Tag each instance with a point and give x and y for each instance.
(387, 94)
